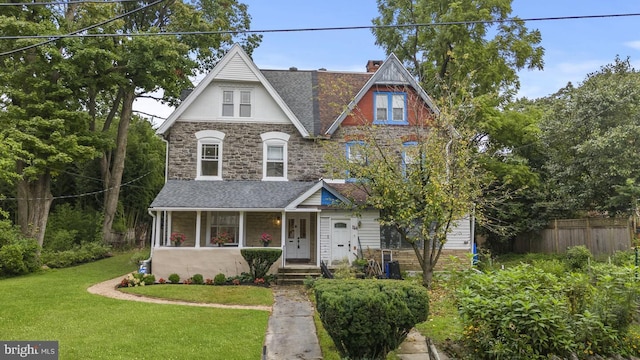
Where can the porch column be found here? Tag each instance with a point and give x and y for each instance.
(241, 240)
(168, 229)
(198, 224)
(283, 237)
(157, 232)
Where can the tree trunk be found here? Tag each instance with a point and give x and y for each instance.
(113, 178)
(34, 202)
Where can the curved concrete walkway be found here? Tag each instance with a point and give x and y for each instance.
(108, 289)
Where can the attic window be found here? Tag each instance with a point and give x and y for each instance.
(390, 108)
(230, 105)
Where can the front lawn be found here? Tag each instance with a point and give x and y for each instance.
(228, 295)
(55, 305)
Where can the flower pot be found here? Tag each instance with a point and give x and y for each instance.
(265, 244)
(176, 244)
(219, 245)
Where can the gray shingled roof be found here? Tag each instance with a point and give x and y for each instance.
(298, 89)
(194, 194)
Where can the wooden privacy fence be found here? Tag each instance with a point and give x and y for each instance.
(600, 235)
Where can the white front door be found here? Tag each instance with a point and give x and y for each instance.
(297, 246)
(340, 235)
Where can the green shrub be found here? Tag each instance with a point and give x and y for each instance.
(260, 260)
(137, 279)
(19, 257)
(368, 318)
(578, 257)
(174, 278)
(219, 279)
(78, 255)
(197, 279)
(520, 313)
(69, 226)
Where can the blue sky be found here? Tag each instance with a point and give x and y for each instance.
(573, 48)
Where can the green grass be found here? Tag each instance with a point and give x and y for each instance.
(236, 295)
(54, 305)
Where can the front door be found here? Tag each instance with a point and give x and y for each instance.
(297, 246)
(340, 241)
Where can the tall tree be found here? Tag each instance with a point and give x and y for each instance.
(592, 136)
(39, 113)
(125, 68)
(451, 45)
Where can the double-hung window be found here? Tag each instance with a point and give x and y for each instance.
(357, 158)
(409, 155)
(390, 108)
(223, 228)
(209, 165)
(274, 147)
(231, 106)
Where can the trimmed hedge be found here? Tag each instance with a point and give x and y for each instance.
(78, 255)
(260, 260)
(368, 318)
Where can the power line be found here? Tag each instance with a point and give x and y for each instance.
(85, 194)
(68, 2)
(335, 28)
(53, 38)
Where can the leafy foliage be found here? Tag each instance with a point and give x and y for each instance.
(78, 254)
(260, 260)
(368, 318)
(18, 255)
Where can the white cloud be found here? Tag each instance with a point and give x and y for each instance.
(633, 44)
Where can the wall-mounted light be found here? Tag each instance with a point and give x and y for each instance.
(277, 221)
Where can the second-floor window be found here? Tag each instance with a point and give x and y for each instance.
(209, 165)
(390, 108)
(275, 155)
(236, 102)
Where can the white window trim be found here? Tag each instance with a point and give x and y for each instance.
(275, 138)
(237, 100)
(209, 137)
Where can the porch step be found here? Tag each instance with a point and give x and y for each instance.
(296, 275)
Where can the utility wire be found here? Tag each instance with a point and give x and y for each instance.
(53, 38)
(68, 2)
(84, 194)
(336, 28)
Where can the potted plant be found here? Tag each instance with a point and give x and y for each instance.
(265, 239)
(177, 238)
(221, 239)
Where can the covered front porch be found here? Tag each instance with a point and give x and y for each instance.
(212, 239)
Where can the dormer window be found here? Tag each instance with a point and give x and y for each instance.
(230, 105)
(274, 148)
(209, 155)
(390, 108)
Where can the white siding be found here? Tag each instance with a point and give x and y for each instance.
(460, 237)
(237, 69)
(208, 105)
(325, 238)
(369, 231)
(315, 199)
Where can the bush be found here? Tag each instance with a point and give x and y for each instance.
(578, 257)
(197, 279)
(368, 318)
(70, 226)
(18, 255)
(219, 279)
(260, 260)
(78, 255)
(137, 279)
(174, 278)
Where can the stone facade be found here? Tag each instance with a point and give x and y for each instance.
(242, 153)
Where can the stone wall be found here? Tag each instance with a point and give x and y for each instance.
(242, 152)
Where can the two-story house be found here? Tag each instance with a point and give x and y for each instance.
(245, 157)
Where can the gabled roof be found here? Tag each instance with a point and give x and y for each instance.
(317, 187)
(234, 58)
(391, 72)
(229, 195)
